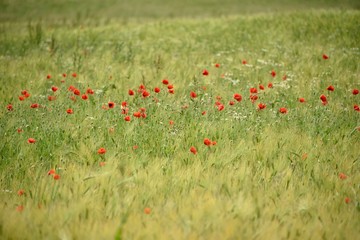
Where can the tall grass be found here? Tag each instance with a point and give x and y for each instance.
(269, 175)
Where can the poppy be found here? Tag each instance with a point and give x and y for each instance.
(217, 65)
(131, 92)
(147, 210)
(84, 97)
(261, 87)
(207, 142)
(203, 113)
(171, 122)
(56, 176)
(9, 107)
(253, 98)
(71, 88)
(330, 88)
(34, 105)
(124, 104)
(20, 192)
(101, 151)
(193, 150)
(74, 75)
(137, 114)
(213, 143)
(253, 90)
(273, 73)
(244, 62)
(102, 164)
(51, 172)
(124, 110)
(270, 85)
(77, 92)
(301, 100)
(89, 91)
(342, 176)
(205, 72)
(283, 110)
(165, 82)
(171, 91)
(325, 57)
(220, 107)
(347, 200)
(127, 118)
(231, 103)
(20, 208)
(355, 91)
(170, 86)
(237, 97)
(157, 90)
(69, 111)
(31, 140)
(48, 76)
(51, 98)
(21, 98)
(193, 95)
(64, 75)
(111, 104)
(142, 109)
(356, 108)
(261, 106)
(323, 99)
(54, 89)
(284, 77)
(145, 94)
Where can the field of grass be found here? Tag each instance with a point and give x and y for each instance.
(81, 158)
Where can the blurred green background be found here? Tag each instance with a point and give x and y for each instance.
(19, 10)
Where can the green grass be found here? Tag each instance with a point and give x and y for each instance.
(270, 175)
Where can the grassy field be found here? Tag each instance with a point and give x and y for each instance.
(259, 137)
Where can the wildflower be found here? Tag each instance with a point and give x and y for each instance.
(9, 107)
(102, 164)
(220, 107)
(21, 192)
(48, 76)
(51, 98)
(31, 140)
(193, 150)
(273, 73)
(77, 92)
(101, 151)
(283, 110)
(203, 113)
(124, 110)
(205, 72)
(253, 98)
(111, 104)
(74, 75)
(127, 118)
(124, 104)
(19, 130)
(261, 106)
(261, 87)
(253, 90)
(21, 98)
(171, 122)
(69, 111)
(207, 142)
(135, 147)
(330, 88)
(357, 108)
(56, 176)
(347, 200)
(142, 109)
(217, 65)
(89, 91)
(244, 62)
(20, 208)
(237, 97)
(301, 100)
(84, 97)
(323, 99)
(170, 86)
(284, 77)
(193, 95)
(64, 75)
(171, 91)
(324, 56)
(51, 172)
(342, 176)
(270, 85)
(137, 114)
(165, 82)
(71, 88)
(145, 94)
(157, 90)
(231, 103)
(355, 91)
(54, 89)
(147, 210)
(213, 143)
(34, 105)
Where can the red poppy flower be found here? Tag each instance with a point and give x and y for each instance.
(253, 90)
(170, 86)
(231, 103)
(20, 208)
(34, 105)
(323, 98)
(355, 91)
(165, 82)
(193, 95)
(54, 89)
(213, 143)
(31, 140)
(101, 151)
(145, 94)
(171, 122)
(273, 73)
(244, 62)
(51, 172)
(356, 108)
(124, 104)
(71, 88)
(21, 98)
(207, 142)
(301, 100)
(137, 114)
(64, 75)
(142, 109)
(21, 192)
(142, 87)
(283, 110)
(89, 91)
(342, 176)
(77, 92)
(102, 164)
(84, 97)
(324, 56)
(135, 147)
(74, 75)
(19, 130)
(171, 91)
(261, 106)
(124, 110)
(48, 76)
(253, 98)
(193, 150)
(127, 118)
(347, 200)
(157, 90)
(69, 111)
(330, 88)
(147, 210)
(111, 104)
(261, 87)
(220, 107)
(284, 77)
(51, 98)
(270, 85)
(217, 65)
(9, 107)
(205, 72)
(56, 176)
(203, 113)
(237, 97)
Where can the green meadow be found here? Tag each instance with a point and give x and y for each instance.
(254, 135)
